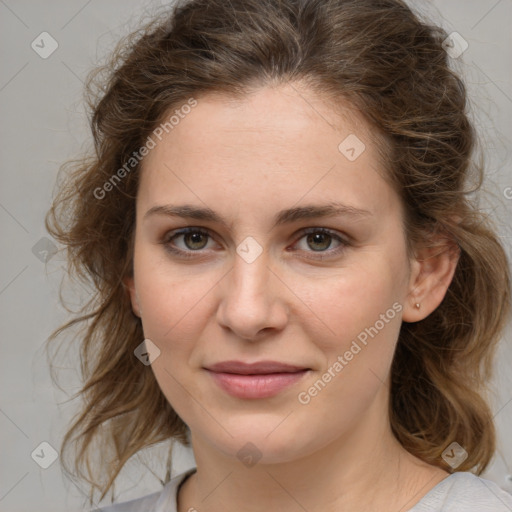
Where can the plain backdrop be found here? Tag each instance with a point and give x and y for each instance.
(43, 124)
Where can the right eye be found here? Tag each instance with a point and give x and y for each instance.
(193, 240)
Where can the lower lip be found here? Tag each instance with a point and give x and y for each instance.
(256, 386)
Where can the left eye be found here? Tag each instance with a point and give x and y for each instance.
(319, 240)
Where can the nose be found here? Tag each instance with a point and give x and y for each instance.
(253, 300)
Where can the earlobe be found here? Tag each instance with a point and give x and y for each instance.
(130, 286)
(433, 271)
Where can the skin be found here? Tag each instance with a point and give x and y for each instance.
(297, 302)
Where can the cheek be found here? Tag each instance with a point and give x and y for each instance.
(175, 324)
(364, 319)
(174, 315)
(350, 302)
(171, 297)
(363, 309)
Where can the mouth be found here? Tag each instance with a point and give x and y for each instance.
(255, 380)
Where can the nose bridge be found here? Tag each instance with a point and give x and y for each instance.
(249, 292)
(250, 277)
(250, 300)
(250, 273)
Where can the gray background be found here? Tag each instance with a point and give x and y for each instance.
(43, 125)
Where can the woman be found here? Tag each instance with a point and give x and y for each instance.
(290, 275)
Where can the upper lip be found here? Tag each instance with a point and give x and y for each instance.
(261, 367)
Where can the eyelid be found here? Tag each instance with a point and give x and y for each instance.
(169, 235)
(342, 237)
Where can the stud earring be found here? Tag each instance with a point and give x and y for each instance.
(417, 305)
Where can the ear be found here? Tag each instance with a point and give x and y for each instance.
(432, 271)
(129, 284)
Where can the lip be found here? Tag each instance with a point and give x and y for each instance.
(259, 367)
(255, 380)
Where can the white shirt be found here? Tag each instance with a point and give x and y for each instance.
(459, 492)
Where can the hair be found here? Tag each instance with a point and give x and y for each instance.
(383, 60)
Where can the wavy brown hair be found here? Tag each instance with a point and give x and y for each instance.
(390, 65)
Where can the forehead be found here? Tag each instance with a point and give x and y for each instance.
(276, 144)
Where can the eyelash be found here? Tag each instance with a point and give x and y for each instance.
(169, 237)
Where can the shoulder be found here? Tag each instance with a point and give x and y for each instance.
(164, 500)
(465, 492)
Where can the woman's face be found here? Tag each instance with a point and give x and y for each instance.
(263, 275)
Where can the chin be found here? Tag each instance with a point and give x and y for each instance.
(269, 440)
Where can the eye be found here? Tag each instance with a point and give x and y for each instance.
(320, 240)
(193, 240)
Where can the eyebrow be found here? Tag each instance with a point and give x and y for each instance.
(287, 216)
